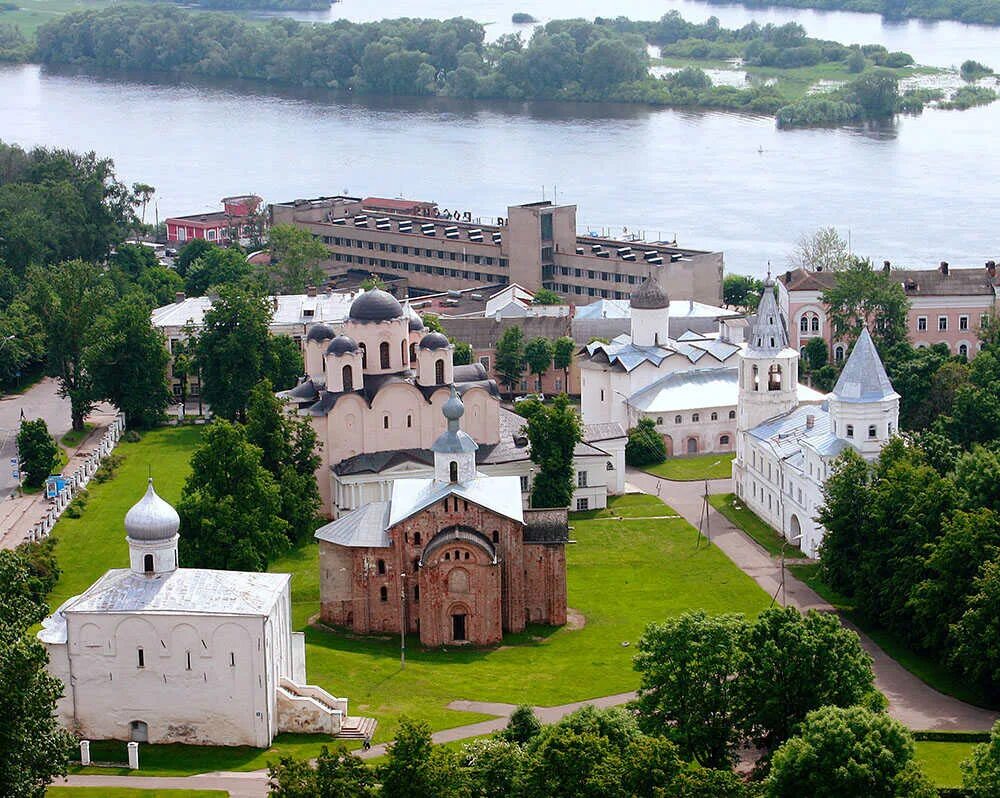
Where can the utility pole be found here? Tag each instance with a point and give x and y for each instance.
(402, 620)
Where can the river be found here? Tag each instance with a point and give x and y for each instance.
(922, 190)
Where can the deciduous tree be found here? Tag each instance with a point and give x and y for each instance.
(538, 356)
(283, 363)
(335, 774)
(862, 296)
(510, 357)
(214, 268)
(553, 432)
(822, 251)
(645, 445)
(296, 255)
(37, 450)
(563, 350)
(981, 771)
(191, 252)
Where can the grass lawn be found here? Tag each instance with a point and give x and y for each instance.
(129, 792)
(688, 469)
(33, 13)
(621, 577)
(74, 438)
(747, 520)
(924, 667)
(940, 761)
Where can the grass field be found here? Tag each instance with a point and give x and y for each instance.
(622, 575)
(747, 520)
(74, 438)
(688, 469)
(941, 761)
(925, 668)
(33, 13)
(129, 792)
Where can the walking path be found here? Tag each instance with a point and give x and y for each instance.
(911, 701)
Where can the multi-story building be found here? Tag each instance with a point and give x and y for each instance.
(947, 306)
(236, 222)
(535, 245)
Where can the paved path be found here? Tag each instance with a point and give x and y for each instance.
(911, 701)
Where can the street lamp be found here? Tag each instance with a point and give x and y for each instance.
(402, 620)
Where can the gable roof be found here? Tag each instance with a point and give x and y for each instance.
(863, 378)
(364, 527)
(502, 495)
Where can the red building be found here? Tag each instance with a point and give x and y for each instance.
(454, 559)
(234, 221)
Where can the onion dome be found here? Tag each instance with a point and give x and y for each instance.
(416, 323)
(434, 340)
(453, 409)
(650, 295)
(375, 305)
(342, 345)
(151, 519)
(453, 440)
(320, 332)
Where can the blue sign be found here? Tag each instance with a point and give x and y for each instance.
(54, 485)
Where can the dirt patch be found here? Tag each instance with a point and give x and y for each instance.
(575, 620)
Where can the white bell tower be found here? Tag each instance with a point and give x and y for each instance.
(151, 527)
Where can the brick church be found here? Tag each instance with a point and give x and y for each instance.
(453, 558)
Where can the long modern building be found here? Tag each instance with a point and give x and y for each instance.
(535, 245)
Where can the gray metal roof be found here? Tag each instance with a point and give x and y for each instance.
(697, 389)
(364, 527)
(375, 305)
(768, 334)
(863, 378)
(621, 353)
(502, 495)
(186, 591)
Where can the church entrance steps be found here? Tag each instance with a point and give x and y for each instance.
(306, 708)
(357, 728)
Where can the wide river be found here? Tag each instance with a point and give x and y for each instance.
(922, 190)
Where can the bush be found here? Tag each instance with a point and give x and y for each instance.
(973, 70)
(109, 465)
(897, 60)
(132, 436)
(856, 62)
(76, 507)
(818, 110)
(38, 452)
(645, 446)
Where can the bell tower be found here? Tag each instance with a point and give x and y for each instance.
(151, 527)
(454, 450)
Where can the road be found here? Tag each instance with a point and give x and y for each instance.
(39, 401)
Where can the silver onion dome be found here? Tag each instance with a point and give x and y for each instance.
(151, 519)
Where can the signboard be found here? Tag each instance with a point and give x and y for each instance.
(54, 485)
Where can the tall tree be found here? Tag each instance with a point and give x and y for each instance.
(68, 298)
(127, 360)
(844, 515)
(143, 193)
(822, 251)
(190, 253)
(461, 355)
(334, 775)
(562, 357)
(230, 507)
(645, 445)
(816, 353)
(296, 255)
(510, 357)
(741, 291)
(232, 349)
(283, 364)
(553, 432)
(216, 267)
(37, 451)
(22, 340)
(975, 636)
(413, 768)
(33, 746)
(981, 771)
(538, 355)
(862, 296)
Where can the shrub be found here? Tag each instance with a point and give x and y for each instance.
(108, 467)
(973, 70)
(645, 446)
(132, 436)
(38, 452)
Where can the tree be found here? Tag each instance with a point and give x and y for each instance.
(334, 775)
(68, 298)
(741, 291)
(688, 690)
(134, 260)
(876, 91)
(283, 363)
(33, 746)
(538, 356)
(823, 251)
(798, 663)
(414, 769)
(230, 507)
(847, 751)
(432, 323)
(553, 432)
(191, 252)
(562, 357)
(510, 357)
(214, 268)
(816, 353)
(976, 634)
(183, 366)
(127, 360)
(844, 515)
(856, 62)
(37, 451)
(161, 285)
(142, 194)
(493, 766)
(981, 771)
(924, 396)
(296, 255)
(22, 340)
(462, 353)
(545, 296)
(645, 445)
(863, 297)
(522, 726)
(232, 350)
(288, 450)
(825, 378)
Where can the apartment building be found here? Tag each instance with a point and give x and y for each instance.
(535, 245)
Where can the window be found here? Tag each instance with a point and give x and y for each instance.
(695, 418)
(409, 420)
(484, 361)
(364, 355)
(581, 479)
(453, 471)
(872, 432)
(850, 430)
(402, 353)
(383, 593)
(659, 420)
(963, 350)
(381, 567)
(142, 657)
(416, 538)
(413, 353)
(147, 563)
(715, 416)
(754, 378)
(348, 377)
(582, 504)
(838, 353)
(524, 483)
(677, 419)
(610, 466)
(416, 593)
(232, 659)
(815, 324)
(383, 354)
(210, 235)
(724, 440)
(942, 323)
(963, 322)
(546, 226)
(602, 394)
(385, 422)
(496, 536)
(439, 372)
(732, 414)
(774, 378)
(188, 657)
(804, 324)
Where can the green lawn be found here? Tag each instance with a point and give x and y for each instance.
(697, 467)
(924, 667)
(940, 761)
(129, 792)
(74, 438)
(33, 13)
(747, 520)
(621, 577)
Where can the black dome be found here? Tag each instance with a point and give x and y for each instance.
(341, 345)
(416, 324)
(433, 340)
(375, 305)
(650, 295)
(320, 332)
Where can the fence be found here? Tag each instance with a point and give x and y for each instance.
(78, 480)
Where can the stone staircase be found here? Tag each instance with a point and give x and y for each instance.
(357, 728)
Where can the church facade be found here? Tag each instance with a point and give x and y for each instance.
(785, 449)
(161, 654)
(453, 558)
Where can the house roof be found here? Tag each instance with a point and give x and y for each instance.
(915, 282)
(287, 309)
(364, 527)
(697, 389)
(623, 355)
(863, 378)
(502, 495)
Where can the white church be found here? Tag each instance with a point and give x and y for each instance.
(161, 654)
(784, 448)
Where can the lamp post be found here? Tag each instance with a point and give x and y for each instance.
(402, 620)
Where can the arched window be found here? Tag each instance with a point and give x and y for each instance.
(147, 563)
(385, 422)
(413, 353)
(695, 418)
(416, 538)
(963, 350)
(383, 354)
(402, 353)
(364, 355)
(348, 373)
(804, 324)
(409, 420)
(872, 432)
(724, 440)
(453, 471)
(496, 536)
(815, 323)
(381, 567)
(838, 353)
(774, 378)
(383, 593)
(850, 430)
(439, 372)
(754, 378)
(715, 416)
(677, 419)
(732, 414)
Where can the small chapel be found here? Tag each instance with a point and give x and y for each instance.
(161, 654)
(453, 558)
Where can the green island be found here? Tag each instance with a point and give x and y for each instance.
(981, 12)
(769, 70)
